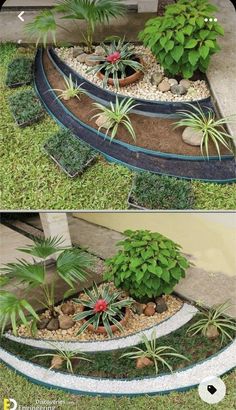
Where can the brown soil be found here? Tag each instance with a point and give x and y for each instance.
(151, 133)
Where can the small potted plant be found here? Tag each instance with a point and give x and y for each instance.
(103, 310)
(120, 66)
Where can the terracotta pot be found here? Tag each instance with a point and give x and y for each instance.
(114, 328)
(123, 82)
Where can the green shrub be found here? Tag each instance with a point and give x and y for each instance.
(71, 153)
(25, 107)
(147, 266)
(19, 72)
(181, 40)
(161, 192)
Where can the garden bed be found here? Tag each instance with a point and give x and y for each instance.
(69, 153)
(161, 137)
(25, 108)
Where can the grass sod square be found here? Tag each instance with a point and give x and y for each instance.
(71, 154)
(19, 72)
(25, 108)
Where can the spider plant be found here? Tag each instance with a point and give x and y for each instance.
(150, 350)
(117, 114)
(215, 316)
(65, 356)
(117, 57)
(92, 11)
(101, 306)
(71, 89)
(211, 128)
(71, 267)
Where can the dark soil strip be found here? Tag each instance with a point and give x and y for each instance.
(151, 133)
(153, 107)
(215, 171)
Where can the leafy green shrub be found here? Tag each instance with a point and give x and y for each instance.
(161, 192)
(19, 72)
(72, 154)
(148, 265)
(181, 40)
(25, 107)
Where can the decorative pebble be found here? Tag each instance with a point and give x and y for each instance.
(178, 89)
(99, 51)
(164, 86)
(192, 137)
(77, 51)
(103, 122)
(82, 57)
(53, 324)
(143, 362)
(150, 310)
(185, 83)
(161, 305)
(66, 322)
(68, 308)
(172, 81)
(156, 78)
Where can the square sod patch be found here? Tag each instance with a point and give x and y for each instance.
(19, 72)
(71, 154)
(151, 191)
(25, 108)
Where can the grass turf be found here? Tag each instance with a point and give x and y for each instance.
(30, 180)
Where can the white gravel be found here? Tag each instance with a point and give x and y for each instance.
(142, 89)
(215, 366)
(179, 319)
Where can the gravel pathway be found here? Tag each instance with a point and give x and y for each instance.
(191, 376)
(179, 319)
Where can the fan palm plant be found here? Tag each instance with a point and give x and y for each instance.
(117, 114)
(71, 266)
(157, 354)
(206, 123)
(92, 11)
(214, 319)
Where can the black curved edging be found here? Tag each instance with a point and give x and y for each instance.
(209, 171)
(145, 107)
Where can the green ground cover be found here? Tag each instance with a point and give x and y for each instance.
(30, 180)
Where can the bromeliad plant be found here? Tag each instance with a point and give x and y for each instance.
(148, 265)
(115, 115)
(117, 57)
(213, 322)
(212, 130)
(181, 40)
(71, 89)
(157, 354)
(102, 307)
(71, 266)
(92, 11)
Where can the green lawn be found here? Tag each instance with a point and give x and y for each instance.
(26, 394)
(30, 180)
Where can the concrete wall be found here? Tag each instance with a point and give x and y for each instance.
(209, 237)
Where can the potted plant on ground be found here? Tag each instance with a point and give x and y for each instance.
(103, 310)
(120, 66)
(71, 266)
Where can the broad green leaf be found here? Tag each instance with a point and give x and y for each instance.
(204, 51)
(193, 57)
(191, 43)
(177, 53)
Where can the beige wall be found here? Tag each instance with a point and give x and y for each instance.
(209, 237)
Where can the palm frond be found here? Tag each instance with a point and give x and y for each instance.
(43, 247)
(41, 26)
(27, 273)
(72, 266)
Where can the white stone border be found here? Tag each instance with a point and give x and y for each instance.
(180, 318)
(191, 376)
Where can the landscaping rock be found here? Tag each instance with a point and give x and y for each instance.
(77, 51)
(161, 305)
(53, 324)
(172, 81)
(143, 362)
(66, 322)
(99, 51)
(42, 324)
(150, 310)
(139, 307)
(178, 89)
(91, 60)
(56, 362)
(212, 332)
(68, 308)
(82, 57)
(164, 86)
(103, 122)
(156, 78)
(185, 83)
(192, 137)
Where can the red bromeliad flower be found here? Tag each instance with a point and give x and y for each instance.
(100, 306)
(112, 58)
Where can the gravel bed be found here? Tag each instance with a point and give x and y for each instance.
(179, 319)
(191, 376)
(143, 89)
